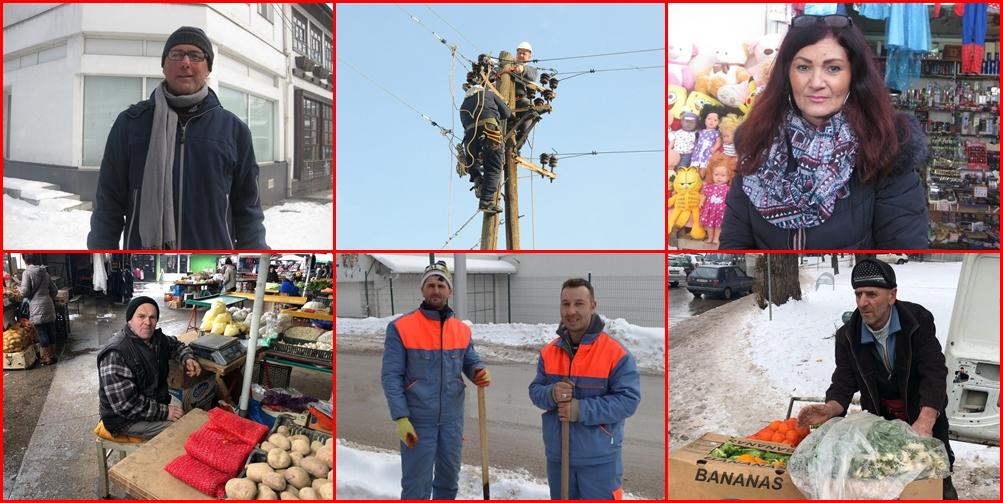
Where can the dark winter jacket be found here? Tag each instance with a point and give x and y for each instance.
(216, 200)
(920, 367)
(425, 356)
(888, 214)
(38, 290)
(607, 386)
(481, 106)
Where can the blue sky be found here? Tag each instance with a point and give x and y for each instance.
(396, 183)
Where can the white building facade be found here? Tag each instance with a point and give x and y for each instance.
(70, 69)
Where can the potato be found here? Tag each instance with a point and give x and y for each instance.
(301, 446)
(296, 457)
(266, 493)
(307, 493)
(292, 490)
(284, 430)
(274, 481)
(297, 477)
(315, 446)
(319, 482)
(330, 474)
(266, 446)
(326, 456)
(240, 489)
(256, 470)
(314, 466)
(278, 458)
(279, 440)
(286, 495)
(300, 437)
(326, 492)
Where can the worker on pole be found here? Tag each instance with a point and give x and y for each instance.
(481, 153)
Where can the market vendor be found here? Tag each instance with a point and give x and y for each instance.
(132, 370)
(288, 287)
(889, 352)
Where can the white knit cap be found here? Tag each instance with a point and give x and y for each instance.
(438, 269)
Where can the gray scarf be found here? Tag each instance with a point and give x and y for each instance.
(156, 216)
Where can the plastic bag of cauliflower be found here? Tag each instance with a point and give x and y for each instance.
(217, 309)
(863, 456)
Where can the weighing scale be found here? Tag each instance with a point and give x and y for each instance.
(220, 349)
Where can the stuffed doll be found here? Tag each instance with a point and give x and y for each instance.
(695, 101)
(676, 103)
(708, 138)
(727, 69)
(720, 170)
(686, 138)
(727, 128)
(685, 202)
(679, 56)
(764, 52)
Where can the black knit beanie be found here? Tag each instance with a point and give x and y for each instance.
(138, 301)
(189, 35)
(871, 272)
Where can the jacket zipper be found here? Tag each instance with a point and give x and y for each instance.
(442, 366)
(181, 181)
(132, 220)
(856, 361)
(226, 222)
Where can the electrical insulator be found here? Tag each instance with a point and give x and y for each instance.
(544, 78)
(539, 101)
(553, 162)
(548, 94)
(553, 83)
(544, 159)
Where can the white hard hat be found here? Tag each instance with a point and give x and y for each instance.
(525, 45)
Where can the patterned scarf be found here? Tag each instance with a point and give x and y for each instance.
(806, 171)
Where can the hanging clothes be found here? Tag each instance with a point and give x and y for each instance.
(100, 273)
(973, 38)
(908, 39)
(824, 9)
(879, 11)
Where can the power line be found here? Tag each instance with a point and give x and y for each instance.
(438, 37)
(593, 70)
(442, 130)
(598, 55)
(460, 229)
(571, 155)
(429, 7)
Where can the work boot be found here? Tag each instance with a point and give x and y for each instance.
(476, 188)
(489, 207)
(48, 356)
(950, 493)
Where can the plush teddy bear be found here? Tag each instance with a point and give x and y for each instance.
(764, 53)
(679, 56)
(727, 69)
(685, 202)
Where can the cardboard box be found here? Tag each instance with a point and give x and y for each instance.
(63, 295)
(951, 52)
(694, 474)
(192, 392)
(22, 359)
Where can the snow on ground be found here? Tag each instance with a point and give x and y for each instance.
(796, 348)
(295, 225)
(646, 344)
(370, 473)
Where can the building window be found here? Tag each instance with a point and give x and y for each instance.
(328, 51)
(104, 99)
(299, 33)
(6, 125)
(257, 114)
(265, 9)
(328, 129)
(314, 138)
(315, 43)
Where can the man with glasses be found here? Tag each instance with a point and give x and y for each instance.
(178, 170)
(426, 354)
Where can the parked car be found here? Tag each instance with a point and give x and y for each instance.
(725, 281)
(893, 258)
(676, 275)
(682, 261)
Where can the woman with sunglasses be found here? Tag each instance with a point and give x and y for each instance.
(824, 162)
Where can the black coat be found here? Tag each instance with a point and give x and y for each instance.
(890, 214)
(920, 367)
(216, 205)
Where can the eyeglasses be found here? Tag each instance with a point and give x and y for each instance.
(832, 21)
(193, 56)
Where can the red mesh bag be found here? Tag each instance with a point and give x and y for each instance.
(218, 449)
(198, 475)
(250, 432)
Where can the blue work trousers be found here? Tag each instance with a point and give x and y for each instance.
(432, 467)
(594, 482)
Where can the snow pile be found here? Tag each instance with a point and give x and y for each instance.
(796, 349)
(300, 225)
(370, 473)
(646, 344)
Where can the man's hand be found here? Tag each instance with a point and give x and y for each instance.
(482, 378)
(174, 412)
(192, 367)
(923, 426)
(568, 411)
(562, 391)
(405, 430)
(818, 413)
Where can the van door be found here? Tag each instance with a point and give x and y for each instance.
(973, 351)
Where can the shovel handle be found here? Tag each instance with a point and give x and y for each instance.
(565, 458)
(482, 420)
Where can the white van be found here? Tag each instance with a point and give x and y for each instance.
(973, 353)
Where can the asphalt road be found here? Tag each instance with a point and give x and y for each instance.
(513, 421)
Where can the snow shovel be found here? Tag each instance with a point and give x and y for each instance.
(482, 419)
(565, 457)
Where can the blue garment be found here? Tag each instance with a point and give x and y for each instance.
(824, 9)
(908, 39)
(874, 10)
(595, 482)
(894, 326)
(289, 288)
(973, 24)
(432, 467)
(607, 386)
(217, 207)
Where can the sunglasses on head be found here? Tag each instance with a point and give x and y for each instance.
(831, 20)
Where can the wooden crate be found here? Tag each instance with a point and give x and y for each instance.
(22, 359)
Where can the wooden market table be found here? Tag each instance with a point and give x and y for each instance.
(275, 299)
(141, 474)
(296, 313)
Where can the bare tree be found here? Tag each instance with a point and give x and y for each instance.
(835, 263)
(783, 269)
